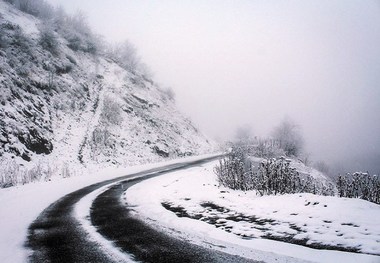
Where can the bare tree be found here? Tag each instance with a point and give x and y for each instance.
(125, 54)
(79, 22)
(288, 135)
(60, 17)
(244, 135)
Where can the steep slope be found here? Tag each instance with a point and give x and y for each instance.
(63, 108)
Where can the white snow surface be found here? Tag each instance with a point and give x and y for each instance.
(324, 220)
(20, 205)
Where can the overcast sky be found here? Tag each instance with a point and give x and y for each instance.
(234, 63)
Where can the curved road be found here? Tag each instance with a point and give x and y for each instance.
(56, 236)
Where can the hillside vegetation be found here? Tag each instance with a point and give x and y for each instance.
(70, 102)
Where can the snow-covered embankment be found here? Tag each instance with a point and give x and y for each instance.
(189, 204)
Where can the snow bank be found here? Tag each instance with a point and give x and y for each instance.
(234, 221)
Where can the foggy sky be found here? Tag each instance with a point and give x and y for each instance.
(234, 63)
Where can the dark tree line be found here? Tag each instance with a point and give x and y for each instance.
(360, 185)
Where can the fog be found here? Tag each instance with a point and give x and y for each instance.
(236, 63)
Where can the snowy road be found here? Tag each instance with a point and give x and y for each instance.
(57, 236)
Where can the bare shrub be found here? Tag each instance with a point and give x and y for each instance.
(65, 173)
(74, 29)
(273, 176)
(359, 185)
(21, 40)
(48, 40)
(78, 34)
(49, 171)
(12, 173)
(35, 174)
(4, 38)
(74, 41)
(38, 8)
(100, 137)
(289, 137)
(111, 111)
(23, 70)
(125, 54)
(101, 142)
(267, 148)
(235, 170)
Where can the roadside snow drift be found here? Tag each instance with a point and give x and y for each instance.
(192, 205)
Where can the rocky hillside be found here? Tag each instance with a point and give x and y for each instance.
(65, 106)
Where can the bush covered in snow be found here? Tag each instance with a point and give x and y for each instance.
(48, 40)
(101, 141)
(267, 148)
(273, 176)
(235, 170)
(125, 54)
(111, 112)
(289, 137)
(360, 185)
(74, 28)
(12, 174)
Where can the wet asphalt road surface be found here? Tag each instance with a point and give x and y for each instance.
(56, 236)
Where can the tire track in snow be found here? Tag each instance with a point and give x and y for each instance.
(57, 235)
(118, 223)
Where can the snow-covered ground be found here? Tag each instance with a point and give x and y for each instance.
(190, 204)
(20, 205)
